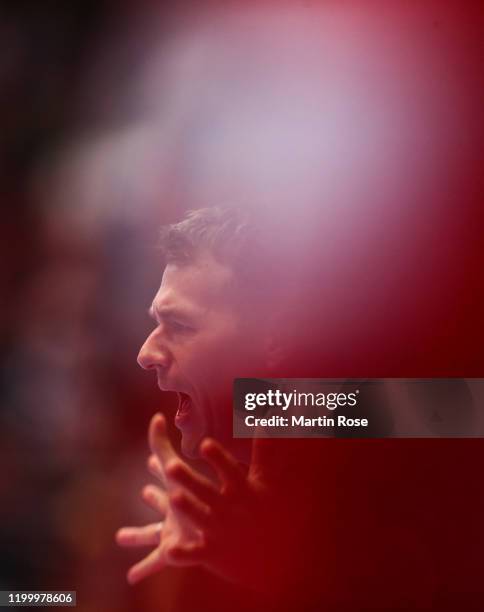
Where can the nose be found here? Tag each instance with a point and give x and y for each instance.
(153, 353)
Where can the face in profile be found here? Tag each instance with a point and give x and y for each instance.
(203, 339)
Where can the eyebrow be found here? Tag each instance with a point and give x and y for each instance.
(166, 312)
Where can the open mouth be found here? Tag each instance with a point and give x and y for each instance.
(184, 408)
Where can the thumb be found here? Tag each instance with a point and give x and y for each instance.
(158, 439)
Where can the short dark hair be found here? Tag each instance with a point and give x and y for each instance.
(234, 236)
(224, 232)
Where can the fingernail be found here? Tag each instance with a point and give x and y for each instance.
(118, 536)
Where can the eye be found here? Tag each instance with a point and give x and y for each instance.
(178, 327)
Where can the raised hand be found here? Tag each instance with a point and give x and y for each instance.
(165, 535)
(234, 525)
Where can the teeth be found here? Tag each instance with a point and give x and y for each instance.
(184, 403)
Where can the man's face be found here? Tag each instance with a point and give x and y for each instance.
(201, 342)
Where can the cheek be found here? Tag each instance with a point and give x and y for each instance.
(212, 358)
(199, 360)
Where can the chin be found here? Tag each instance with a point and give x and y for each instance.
(189, 446)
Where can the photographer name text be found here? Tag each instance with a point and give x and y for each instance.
(302, 421)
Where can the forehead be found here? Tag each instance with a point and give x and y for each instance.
(202, 285)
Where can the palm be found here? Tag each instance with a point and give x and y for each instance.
(229, 526)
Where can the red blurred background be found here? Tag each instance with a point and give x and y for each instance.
(356, 125)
